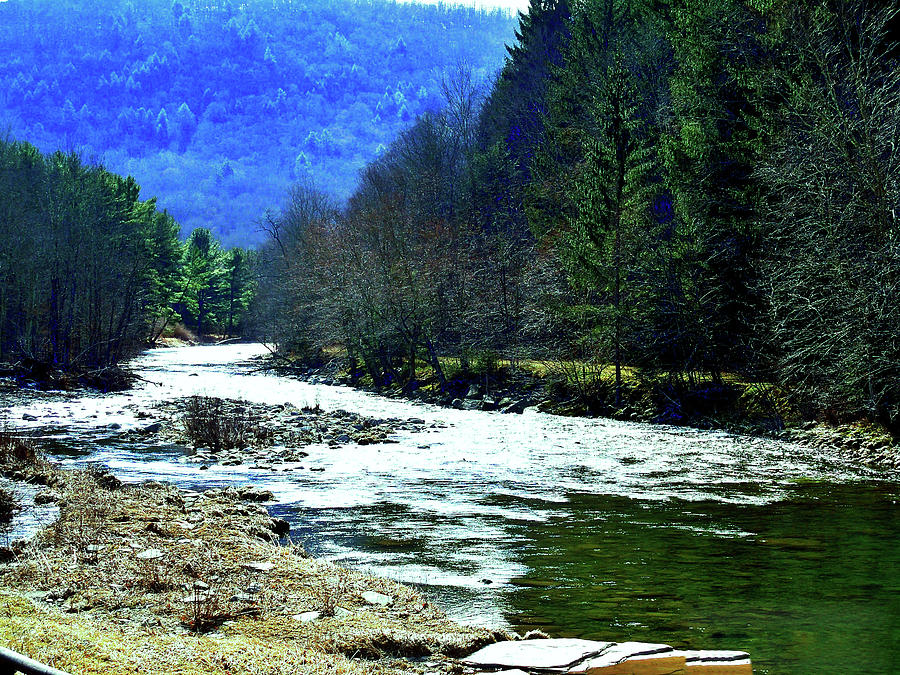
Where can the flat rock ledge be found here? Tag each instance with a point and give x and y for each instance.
(587, 657)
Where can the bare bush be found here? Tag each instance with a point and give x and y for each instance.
(206, 607)
(16, 449)
(89, 510)
(328, 595)
(9, 507)
(208, 423)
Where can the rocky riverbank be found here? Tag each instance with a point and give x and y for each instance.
(867, 444)
(151, 579)
(147, 578)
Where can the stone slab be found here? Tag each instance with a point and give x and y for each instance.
(634, 658)
(718, 663)
(557, 655)
(588, 657)
(374, 598)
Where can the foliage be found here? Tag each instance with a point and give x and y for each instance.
(89, 272)
(833, 246)
(84, 265)
(10, 505)
(17, 450)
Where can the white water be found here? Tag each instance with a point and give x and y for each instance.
(440, 515)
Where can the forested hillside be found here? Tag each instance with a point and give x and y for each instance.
(660, 197)
(90, 273)
(216, 107)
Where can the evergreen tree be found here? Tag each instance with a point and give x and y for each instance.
(203, 276)
(717, 118)
(607, 226)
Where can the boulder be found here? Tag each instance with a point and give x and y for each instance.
(249, 493)
(280, 527)
(379, 599)
(517, 407)
(46, 497)
(108, 481)
(487, 403)
(150, 554)
(306, 617)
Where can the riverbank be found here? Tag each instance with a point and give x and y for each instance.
(737, 407)
(583, 528)
(147, 578)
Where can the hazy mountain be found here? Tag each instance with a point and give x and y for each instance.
(216, 107)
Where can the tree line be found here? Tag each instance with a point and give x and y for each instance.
(197, 99)
(90, 273)
(687, 188)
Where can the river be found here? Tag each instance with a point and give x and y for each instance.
(581, 527)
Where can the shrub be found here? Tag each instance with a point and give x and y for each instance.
(182, 332)
(15, 449)
(208, 422)
(9, 507)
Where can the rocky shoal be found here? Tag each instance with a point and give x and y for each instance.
(267, 434)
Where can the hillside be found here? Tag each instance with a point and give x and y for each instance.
(217, 107)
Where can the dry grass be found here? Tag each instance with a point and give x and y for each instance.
(100, 607)
(15, 449)
(81, 644)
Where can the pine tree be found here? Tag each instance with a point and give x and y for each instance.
(611, 196)
(513, 114)
(720, 134)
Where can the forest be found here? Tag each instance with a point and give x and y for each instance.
(90, 274)
(681, 193)
(218, 106)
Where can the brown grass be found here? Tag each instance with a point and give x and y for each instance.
(101, 608)
(15, 449)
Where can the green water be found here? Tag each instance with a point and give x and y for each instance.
(807, 585)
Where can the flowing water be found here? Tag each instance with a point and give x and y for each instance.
(587, 528)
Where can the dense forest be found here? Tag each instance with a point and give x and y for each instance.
(89, 273)
(682, 192)
(216, 107)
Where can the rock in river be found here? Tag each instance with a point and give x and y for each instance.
(250, 493)
(47, 497)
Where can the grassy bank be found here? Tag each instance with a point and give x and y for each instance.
(149, 579)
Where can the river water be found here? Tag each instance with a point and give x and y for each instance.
(589, 528)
